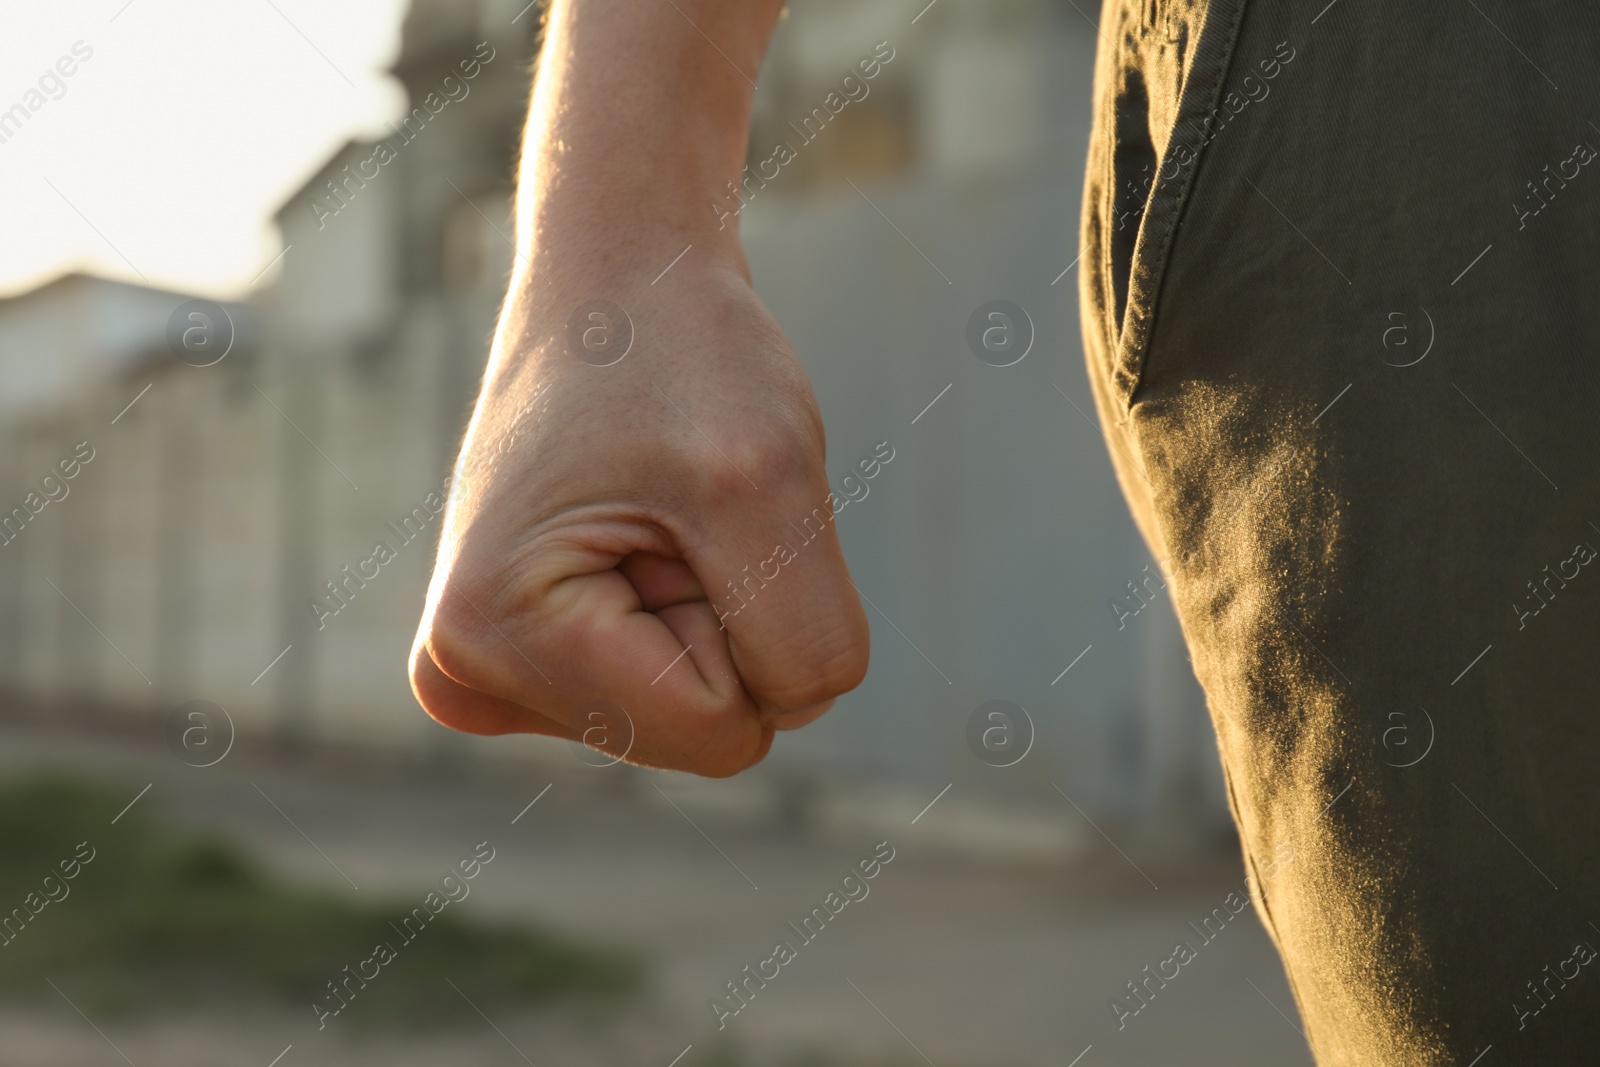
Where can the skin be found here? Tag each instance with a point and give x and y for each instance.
(593, 508)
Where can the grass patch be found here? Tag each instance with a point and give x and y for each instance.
(160, 916)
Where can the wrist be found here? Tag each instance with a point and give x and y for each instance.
(605, 246)
(609, 167)
(581, 302)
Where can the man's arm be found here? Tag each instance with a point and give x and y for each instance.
(605, 519)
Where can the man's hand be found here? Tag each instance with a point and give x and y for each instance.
(614, 530)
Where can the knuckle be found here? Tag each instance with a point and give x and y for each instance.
(766, 459)
(438, 694)
(826, 663)
(840, 669)
(453, 638)
(713, 737)
(726, 757)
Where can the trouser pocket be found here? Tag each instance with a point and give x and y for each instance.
(1160, 73)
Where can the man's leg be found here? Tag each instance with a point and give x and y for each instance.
(1345, 338)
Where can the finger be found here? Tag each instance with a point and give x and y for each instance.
(663, 583)
(660, 581)
(670, 671)
(673, 672)
(459, 707)
(794, 718)
(780, 586)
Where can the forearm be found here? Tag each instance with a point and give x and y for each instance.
(639, 118)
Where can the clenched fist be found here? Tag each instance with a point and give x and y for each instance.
(608, 523)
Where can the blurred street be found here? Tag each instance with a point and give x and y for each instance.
(1013, 964)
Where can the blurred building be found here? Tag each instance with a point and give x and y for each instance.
(994, 550)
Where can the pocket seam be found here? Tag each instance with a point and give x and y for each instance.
(1169, 198)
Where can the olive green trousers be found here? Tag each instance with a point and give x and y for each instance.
(1341, 302)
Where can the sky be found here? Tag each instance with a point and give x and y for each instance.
(162, 157)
